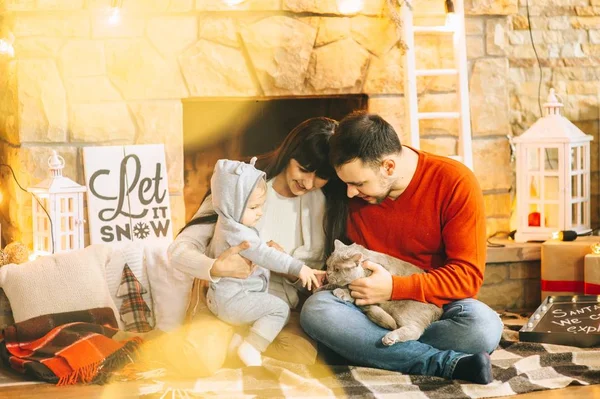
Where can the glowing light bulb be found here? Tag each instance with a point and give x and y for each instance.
(451, 21)
(115, 16)
(595, 247)
(555, 235)
(6, 46)
(233, 2)
(350, 6)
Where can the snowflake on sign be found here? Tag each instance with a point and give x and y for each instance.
(141, 230)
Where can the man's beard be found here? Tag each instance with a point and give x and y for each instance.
(379, 200)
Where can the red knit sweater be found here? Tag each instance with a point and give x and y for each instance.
(437, 224)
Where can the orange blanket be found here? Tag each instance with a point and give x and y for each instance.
(67, 348)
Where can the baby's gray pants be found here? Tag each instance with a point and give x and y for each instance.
(239, 302)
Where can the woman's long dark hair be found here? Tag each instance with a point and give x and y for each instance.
(336, 213)
(308, 144)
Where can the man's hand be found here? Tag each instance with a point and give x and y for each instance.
(231, 264)
(376, 288)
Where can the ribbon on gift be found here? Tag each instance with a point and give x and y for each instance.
(592, 289)
(563, 286)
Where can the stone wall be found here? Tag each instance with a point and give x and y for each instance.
(78, 80)
(511, 285)
(566, 37)
(566, 34)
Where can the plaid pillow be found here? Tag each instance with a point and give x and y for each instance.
(134, 311)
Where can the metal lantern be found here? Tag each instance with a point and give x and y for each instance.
(62, 199)
(553, 177)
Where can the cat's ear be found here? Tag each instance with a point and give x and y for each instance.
(337, 244)
(357, 258)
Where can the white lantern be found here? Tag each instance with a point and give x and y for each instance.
(62, 198)
(553, 177)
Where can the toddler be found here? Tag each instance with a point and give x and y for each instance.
(238, 194)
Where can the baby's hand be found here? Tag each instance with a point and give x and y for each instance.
(321, 276)
(309, 277)
(278, 247)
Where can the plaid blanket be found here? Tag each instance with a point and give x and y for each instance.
(67, 348)
(518, 367)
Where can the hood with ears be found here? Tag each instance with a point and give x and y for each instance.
(231, 184)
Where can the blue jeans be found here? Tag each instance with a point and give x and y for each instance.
(466, 327)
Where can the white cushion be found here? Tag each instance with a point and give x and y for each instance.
(170, 287)
(58, 283)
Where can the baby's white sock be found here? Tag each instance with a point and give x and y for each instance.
(234, 344)
(249, 354)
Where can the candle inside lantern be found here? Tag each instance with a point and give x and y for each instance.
(534, 219)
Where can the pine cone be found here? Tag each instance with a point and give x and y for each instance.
(17, 252)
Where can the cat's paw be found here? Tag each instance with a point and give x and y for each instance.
(403, 334)
(389, 339)
(343, 294)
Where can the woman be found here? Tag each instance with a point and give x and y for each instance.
(293, 221)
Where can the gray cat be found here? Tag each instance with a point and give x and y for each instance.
(406, 318)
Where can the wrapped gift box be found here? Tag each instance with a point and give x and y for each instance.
(563, 266)
(592, 274)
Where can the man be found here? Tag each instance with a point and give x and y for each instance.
(424, 209)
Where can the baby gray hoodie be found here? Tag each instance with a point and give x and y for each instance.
(231, 184)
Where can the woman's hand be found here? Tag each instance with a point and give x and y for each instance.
(231, 264)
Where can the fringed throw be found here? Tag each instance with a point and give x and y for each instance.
(67, 348)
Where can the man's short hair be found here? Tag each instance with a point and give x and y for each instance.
(363, 136)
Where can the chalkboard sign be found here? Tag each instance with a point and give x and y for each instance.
(565, 320)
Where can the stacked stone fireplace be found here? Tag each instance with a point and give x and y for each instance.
(79, 78)
(241, 128)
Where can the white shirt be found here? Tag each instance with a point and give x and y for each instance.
(281, 221)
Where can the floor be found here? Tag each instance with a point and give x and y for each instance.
(130, 390)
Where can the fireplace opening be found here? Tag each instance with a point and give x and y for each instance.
(236, 128)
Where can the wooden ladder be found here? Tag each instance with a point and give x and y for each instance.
(462, 114)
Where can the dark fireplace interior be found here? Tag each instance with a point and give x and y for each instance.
(236, 128)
